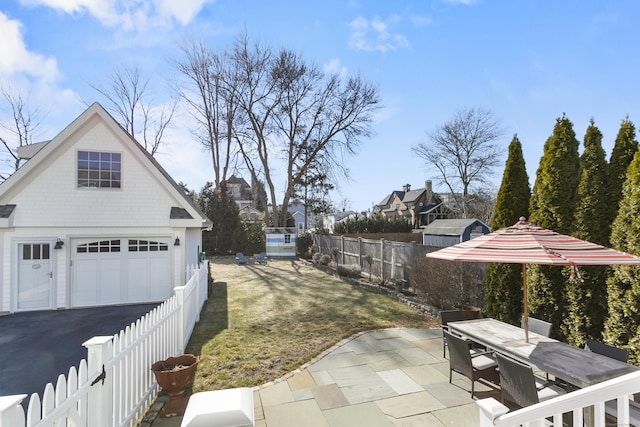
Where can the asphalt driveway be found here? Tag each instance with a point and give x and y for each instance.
(37, 346)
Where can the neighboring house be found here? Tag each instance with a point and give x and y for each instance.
(330, 220)
(92, 219)
(420, 207)
(240, 191)
(447, 232)
(297, 208)
(250, 214)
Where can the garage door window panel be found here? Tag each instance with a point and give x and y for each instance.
(104, 246)
(147, 246)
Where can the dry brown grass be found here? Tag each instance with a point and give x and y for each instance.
(264, 321)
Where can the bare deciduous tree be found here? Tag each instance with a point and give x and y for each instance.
(464, 151)
(294, 109)
(126, 95)
(207, 91)
(482, 203)
(21, 127)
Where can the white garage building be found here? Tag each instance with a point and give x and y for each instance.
(92, 219)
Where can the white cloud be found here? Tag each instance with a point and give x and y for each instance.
(183, 11)
(129, 14)
(334, 66)
(464, 2)
(420, 20)
(376, 34)
(33, 77)
(16, 59)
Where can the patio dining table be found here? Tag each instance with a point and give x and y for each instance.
(574, 365)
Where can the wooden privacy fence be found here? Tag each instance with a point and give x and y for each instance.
(114, 386)
(391, 261)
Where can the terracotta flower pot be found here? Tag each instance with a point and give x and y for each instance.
(173, 375)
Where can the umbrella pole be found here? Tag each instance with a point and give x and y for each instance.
(524, 301)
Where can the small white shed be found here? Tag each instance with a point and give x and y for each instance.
(281, 241)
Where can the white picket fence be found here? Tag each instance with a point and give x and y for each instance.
(584, 407)
(114, 386)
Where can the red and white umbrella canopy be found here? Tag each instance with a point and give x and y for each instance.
(525, 243)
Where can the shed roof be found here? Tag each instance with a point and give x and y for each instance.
(453, 227)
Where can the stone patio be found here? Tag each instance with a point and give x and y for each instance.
(391, 377)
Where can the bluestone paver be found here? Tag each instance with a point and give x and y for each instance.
(388, 378)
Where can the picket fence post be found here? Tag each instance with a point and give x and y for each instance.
(99, 353)
(11, 413)
(196, 276)
(181, 313)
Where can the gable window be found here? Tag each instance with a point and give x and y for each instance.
(99, 169)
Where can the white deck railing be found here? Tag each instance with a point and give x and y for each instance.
(585, 406)
(114, 386)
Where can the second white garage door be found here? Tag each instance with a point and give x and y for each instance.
(120, 271)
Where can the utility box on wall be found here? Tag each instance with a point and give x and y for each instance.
(281, 241)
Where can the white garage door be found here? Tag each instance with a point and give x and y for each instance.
(118, 271)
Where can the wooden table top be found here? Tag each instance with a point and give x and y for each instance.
(577, 366)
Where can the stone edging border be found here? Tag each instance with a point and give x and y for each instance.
(306, 365)
(427, 309)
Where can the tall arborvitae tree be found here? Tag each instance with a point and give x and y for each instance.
(502, 290)
(623, 151)
(586, 299)
(552, 206)
(622, 327)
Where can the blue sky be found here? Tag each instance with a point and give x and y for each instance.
(528, 62)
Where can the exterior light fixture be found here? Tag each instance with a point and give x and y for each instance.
(177, 242)
(59, 244)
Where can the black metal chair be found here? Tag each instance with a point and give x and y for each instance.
(472, 364)
(606, 350)
(520, 386)
(537, 326)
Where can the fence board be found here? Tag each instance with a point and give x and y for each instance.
(390, 260)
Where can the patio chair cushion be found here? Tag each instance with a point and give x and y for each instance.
(481, 361)
(471, 363)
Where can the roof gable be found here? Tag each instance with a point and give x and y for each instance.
(413, 195)
(48, 180)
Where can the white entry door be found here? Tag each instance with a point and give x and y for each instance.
(35, 276)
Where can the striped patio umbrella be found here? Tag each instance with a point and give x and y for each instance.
(525, 243)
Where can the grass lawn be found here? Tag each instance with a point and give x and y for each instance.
(263, 321)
